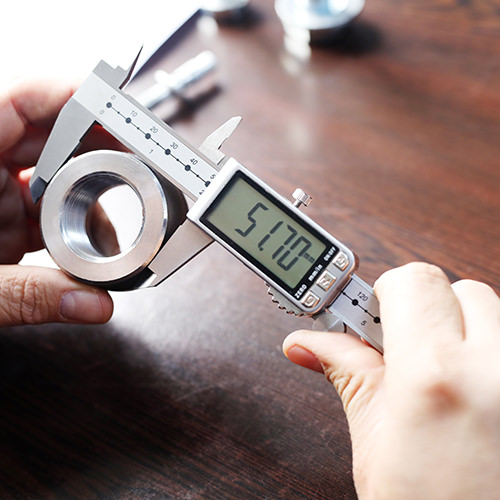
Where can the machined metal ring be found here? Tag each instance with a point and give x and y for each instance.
(70, 199)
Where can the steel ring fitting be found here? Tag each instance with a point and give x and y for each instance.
(70, 199)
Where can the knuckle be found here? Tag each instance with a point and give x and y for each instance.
(472, 287)
(341, 383)
(349, 387)
(33, 303)
(410, 272)
(424, 271)
(25, 302)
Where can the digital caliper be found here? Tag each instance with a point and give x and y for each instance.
(308, 271)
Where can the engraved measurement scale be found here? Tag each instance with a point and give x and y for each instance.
(146, 135)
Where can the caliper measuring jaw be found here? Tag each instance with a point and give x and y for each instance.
(308, 270)
(70, 128)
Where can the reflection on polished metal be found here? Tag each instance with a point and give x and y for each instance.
(224, 9)
(316, 20)
(68, 205)
(178, 82)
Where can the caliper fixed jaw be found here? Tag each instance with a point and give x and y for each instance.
(72, 124)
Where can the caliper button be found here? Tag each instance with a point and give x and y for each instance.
(326, 280)
(310, 299)
(341, 261)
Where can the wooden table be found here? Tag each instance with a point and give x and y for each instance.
(185, 393)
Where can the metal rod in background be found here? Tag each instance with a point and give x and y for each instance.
(176, 83)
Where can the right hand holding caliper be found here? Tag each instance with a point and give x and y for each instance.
(424, 416)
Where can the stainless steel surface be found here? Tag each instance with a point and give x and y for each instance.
(185, 244)
(328, 322)
(212, 144)
(358, 308)
(72, 123)
(147, 136)
(100, 100)
(71, 197)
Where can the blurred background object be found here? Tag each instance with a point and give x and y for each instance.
(225, 10)
(314, 21)
(180, 82)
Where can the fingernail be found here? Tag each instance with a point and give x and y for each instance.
(85, 306)
(300, 356)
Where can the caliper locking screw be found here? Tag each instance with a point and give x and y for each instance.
(301, 198)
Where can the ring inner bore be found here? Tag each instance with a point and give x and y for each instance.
(102, 216)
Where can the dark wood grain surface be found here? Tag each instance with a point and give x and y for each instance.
(185, 393)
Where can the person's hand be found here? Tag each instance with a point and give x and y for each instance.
(425, 417)
(31, 295)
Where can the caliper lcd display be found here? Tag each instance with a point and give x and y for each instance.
(263, 230)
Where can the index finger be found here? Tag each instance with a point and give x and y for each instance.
(30, 104)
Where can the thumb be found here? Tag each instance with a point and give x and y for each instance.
(34, 295)
(354, 369)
